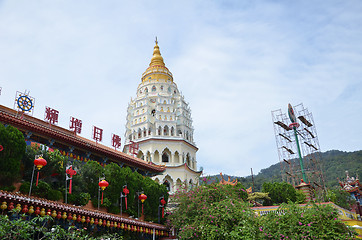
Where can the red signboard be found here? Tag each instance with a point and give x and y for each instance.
(51, 115)
(75, 125)
(116, 141)
(97, 134)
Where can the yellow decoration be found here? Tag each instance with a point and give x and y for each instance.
(83, 219)
(54, 214)
(64, 216)
(108, 223)
(100, 222)
(122, 225)
(129, 227)
(18, 207)
(3, 206)
(31, 210)
(42, 212)
(92, 221)
(74, 217)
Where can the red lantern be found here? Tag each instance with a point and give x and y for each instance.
(142, 197)
(1, 148)
(163, 202)
(71, 173)
(39, 163)
(126, 192)
(103, 184)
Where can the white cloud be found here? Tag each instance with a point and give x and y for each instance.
(234, 61)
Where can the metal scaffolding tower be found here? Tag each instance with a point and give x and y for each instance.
(287, 144)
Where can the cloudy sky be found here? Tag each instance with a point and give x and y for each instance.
(234, 61)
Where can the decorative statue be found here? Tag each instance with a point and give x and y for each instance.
(228, 182)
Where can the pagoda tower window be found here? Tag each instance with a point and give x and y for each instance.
(144, 132)
(169, 89)
(153, 88)
(172, 129)
(149, 131)
(165, 130)
(139, 133)
(153, 112)
(165, 158)
(162, 88)
(161, 109)
(146, 90)
(159, 131)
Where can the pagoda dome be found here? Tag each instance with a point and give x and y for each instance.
(157, 68)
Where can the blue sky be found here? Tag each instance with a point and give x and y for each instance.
(234, 61)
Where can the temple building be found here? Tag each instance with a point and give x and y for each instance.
(159, 123)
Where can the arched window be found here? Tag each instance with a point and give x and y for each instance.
(168, 109)
(187, 135)
(139, 133)
(159, 131)
(149, 131)
(172, 130)
(153, 112)
(161, 87)
(164, 102)
(161, 109)
(169, 89)
(165, 158)
(146, 90)
(165, 130)
(144, 132)
(167, 185)
(138, 112)
(153, 88)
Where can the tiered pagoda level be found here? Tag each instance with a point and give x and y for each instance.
(159, 120)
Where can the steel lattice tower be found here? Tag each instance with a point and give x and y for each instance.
(288, 147)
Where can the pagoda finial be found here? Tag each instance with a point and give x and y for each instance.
(157, 58)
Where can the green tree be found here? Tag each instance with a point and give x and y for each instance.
(279, 192)
(13, 143)
(214, 212)
(340, 197)
(309, 222)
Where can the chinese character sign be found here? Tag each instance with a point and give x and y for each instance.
(51, 115)
(97, 134)
(116, 141)
(75, 125)
(133, 148)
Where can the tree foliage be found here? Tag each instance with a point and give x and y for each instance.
(219, 212)
(279, 192)
(311, 222)
(19, 227)
(214, 212)
(13, 143)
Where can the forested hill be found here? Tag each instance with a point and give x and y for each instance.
(334, 164)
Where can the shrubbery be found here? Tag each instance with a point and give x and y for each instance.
(220, 212)
(43, 228)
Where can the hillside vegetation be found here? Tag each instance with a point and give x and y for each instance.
(334, 164)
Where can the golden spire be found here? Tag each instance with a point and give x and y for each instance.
(157, 59)
(157, 69)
